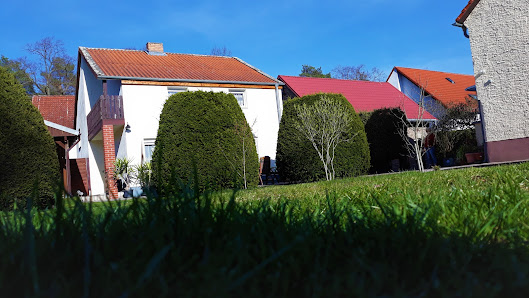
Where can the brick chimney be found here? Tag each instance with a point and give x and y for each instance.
(155, 48)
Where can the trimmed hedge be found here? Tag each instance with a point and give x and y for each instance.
(298, 161)
(200, 140)
(385, 143)
(29, 166)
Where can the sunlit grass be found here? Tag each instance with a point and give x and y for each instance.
(443, 233)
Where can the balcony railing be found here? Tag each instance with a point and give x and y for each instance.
(107, 110)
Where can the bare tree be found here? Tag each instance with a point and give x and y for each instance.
(218, 51)
(360, 73)
(325, 124)
(241, 131)
(53, 71)
(413, 133)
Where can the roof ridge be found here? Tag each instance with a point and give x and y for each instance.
(361, 81)
(170, 53)
(459, 74)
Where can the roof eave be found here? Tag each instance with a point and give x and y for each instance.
(279, 83)
(281, 78)
(466, 11)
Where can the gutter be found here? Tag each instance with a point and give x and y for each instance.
(187, 80)
(61, 127)
(462, 26)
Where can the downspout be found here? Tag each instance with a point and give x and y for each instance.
(463, 27)
(278, 103)
(483, 134)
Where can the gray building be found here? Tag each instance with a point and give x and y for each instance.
(499, 39)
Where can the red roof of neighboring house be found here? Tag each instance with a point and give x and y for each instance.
(59, 109)
(139, 65)
(363, 95)
(466, 11)
(436, 84)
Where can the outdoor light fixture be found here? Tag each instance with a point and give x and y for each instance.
(127, 128)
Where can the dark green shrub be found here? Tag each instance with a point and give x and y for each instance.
(455, 143)
(28, 160)
(297, 160)
(385, 142)
(201, 137)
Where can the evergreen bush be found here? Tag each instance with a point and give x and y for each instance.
(385, 142)
(200, 140)
(298, 161)
(28, 159)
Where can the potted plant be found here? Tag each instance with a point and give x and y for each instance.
(123, 174)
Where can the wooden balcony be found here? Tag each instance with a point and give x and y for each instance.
(107, 110)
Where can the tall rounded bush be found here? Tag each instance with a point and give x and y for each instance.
(28, 160)
(297, 160)
(202, 137)
(385, 141)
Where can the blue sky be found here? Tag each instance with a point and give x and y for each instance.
(277, 37)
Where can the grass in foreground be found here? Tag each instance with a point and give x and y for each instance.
(442, 233)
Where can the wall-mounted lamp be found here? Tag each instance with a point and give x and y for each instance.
(127, 128)
(480, 73)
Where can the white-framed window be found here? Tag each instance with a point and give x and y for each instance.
(174, 90)
(148, 149)
(240, 95)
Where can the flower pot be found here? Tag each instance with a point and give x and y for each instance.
(475, 157)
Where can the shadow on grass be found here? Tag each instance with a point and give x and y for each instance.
(211, 245)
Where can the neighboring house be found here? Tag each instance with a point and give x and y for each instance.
(58, 112)
(440, 90)
(499, 35)
(364, 96)
(121, 93)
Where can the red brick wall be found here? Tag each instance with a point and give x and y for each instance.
(110, 157)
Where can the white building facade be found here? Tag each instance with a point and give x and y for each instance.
(127, 107)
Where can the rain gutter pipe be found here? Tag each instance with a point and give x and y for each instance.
(462, 26)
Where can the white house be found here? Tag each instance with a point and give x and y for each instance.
(120, 94)
(499, 36)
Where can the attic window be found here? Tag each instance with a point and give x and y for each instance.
(450, 80)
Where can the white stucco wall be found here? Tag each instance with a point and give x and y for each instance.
(414, 92)
(89, 91)
(394, 79)
(143, 105)
(499, 40)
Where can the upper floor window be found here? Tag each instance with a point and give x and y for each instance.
(174, 90)
(240, 95)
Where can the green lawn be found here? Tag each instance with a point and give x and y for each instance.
(443, 233)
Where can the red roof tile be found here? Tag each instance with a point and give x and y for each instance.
(59, 109)
(363, 95)
(437, 85)
(132, 64)
(466, 11)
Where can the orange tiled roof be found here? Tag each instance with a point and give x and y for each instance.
(436, 84)
(139, 65)
(466, 11)
(59, 109)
